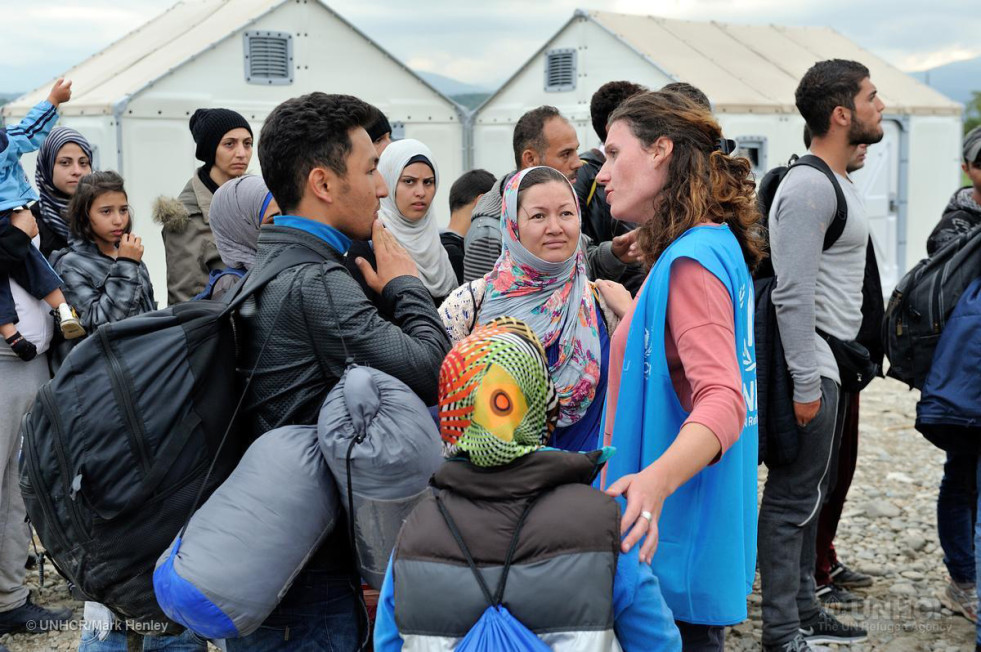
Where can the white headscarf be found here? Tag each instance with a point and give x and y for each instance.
(419, 237)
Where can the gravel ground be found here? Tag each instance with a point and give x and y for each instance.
(888, 530)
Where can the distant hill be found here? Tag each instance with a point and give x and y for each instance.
(955, 80)
(6, 97)
(470, 100)
(451, 87)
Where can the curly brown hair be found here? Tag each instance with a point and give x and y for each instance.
(702, 182)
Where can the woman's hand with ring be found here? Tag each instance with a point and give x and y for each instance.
(645, 494)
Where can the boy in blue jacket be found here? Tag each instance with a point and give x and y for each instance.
(16, 194)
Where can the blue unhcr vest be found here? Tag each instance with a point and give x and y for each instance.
(706, 554)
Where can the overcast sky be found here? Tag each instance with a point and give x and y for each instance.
(484, 42)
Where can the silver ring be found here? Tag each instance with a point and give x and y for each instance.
(648, 516)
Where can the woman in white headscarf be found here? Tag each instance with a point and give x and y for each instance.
(409, 171)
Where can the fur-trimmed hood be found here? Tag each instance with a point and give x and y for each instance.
(174, 214)
(170, 213)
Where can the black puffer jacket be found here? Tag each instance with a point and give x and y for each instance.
(961, 215)
(321, 309)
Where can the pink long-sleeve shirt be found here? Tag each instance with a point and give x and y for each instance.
(700, 345)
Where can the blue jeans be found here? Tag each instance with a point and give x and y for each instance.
(956, 506)
(320, 613)
(116, 642)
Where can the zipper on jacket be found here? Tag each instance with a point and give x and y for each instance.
(134, 427)
(942, 307)
(42, 495)
(936, 316)
(67, 472)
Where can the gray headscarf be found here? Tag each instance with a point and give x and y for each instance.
(53, 202)
(235, 217)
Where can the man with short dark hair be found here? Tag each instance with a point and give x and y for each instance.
(464, 195)
(817, 290)
(693, 93)
(320, 165)
(832, 577)
(543, 137)
(379, 129)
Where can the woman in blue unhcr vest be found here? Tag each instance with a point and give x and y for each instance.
(681, 410)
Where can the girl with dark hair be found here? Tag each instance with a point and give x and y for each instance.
(681, 406)
(102, 267)
(541, 279)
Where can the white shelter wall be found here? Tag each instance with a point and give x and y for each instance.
(600, 58)
(934, 175)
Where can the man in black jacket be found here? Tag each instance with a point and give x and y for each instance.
(597, 223)
(318, 161)
(963, 212)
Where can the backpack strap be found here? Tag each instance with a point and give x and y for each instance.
(592, 193)
(837, 226)
(287, 258)
(476, 305)
(496, 599)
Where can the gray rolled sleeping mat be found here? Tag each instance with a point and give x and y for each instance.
(243, 547)
(394, 448)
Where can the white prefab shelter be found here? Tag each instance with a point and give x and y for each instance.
(133, 100)
(750, 73)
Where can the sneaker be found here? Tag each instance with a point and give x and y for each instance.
(835, 597)
(961, 599)
(71, 327)
(845, 577)
(32, 618)
(825, 628)
(796, 645)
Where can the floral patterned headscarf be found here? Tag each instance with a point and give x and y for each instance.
(555, 300)
(496, 400)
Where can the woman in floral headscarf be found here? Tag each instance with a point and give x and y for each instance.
(541, 279)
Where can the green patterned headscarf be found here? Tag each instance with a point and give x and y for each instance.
(497, 401)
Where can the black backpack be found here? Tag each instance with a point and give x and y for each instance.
(767, 191)
(117, 447)
(923, 301)
(777, 422)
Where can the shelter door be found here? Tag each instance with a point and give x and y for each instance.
(878, 182)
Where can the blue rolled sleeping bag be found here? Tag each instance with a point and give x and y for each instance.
(394, 447)
(245, 545)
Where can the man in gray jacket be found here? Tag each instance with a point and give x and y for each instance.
(542, 136)
(318, 161)
(816, 290)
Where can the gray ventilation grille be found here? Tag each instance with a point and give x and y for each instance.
(560, 70)
(268, 58)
